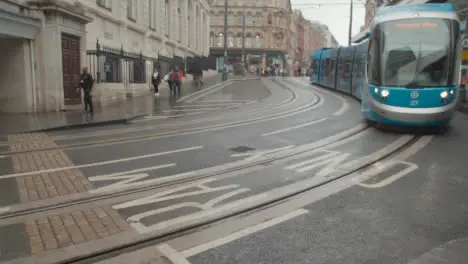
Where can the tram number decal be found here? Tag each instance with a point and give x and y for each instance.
(414, 102)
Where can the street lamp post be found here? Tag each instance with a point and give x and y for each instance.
(243, 43)
(225, 76)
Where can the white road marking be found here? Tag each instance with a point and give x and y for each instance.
(220, 87)
(204, 208)
(294, 127)
(196, 105)
(344, 104)
(149, 118)
(331, 161)
(386, 166)
(223, 101)
(4, 209)
(242, 233)
(155, 117)
(398, 159)
(202, 91)
(2, 157)
(243, 104)
(174, 256)
(253, 155)
(190, 110)
(101, 163)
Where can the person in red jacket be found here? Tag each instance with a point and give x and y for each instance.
(176, 78)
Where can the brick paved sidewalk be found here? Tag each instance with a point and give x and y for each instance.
(37, 235)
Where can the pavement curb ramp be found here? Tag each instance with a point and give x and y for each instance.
(115, 121)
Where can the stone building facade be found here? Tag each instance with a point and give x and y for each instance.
(270, 35)
(44, 43)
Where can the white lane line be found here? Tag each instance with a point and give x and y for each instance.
(294, 127)
(207, 105)
(174, 256)
(224, 85)
(155, 117)
(4, 209)
(344, 104)
(242, 233)
(223, 101)
(165, 117)
(190, 110)
(100, 163)
(202, 91)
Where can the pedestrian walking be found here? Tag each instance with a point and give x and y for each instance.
(176, 78)
(156, 80)
(86, 83)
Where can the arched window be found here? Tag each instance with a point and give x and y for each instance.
(248, 40)
(258, 40)
(231, 19)
(239, 18)
(212, 39)
(231, 40)
(259, 19)
(239, 40)
(220, 40)
(249, 19)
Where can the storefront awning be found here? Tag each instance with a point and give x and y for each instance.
(18, 26)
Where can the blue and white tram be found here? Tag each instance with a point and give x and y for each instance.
(407, 70)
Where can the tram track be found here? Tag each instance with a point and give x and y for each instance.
(156, 238)
(187, 177)
(98, 143)
(290, 100)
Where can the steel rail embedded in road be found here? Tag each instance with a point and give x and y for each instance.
(334, 140)
(154, 239)
(314, 104)
(269, 107)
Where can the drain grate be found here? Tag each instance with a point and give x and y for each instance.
(241, 149)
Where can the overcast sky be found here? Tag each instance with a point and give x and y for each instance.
(333, 13)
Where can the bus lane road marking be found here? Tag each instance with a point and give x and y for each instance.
(138, 178)
(178, 257)
(190, 197)
(100, 163)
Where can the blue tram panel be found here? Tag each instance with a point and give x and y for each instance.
(407, 70)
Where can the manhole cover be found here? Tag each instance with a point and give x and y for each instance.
(241, 149)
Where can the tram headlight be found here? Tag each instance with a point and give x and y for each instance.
(444, 94)
(384, 93)
(376, 90)
(452, 92)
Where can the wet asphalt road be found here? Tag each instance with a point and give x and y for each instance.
(395, 222)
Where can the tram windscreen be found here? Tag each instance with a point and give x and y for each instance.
(414, 53)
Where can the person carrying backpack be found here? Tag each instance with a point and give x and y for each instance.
(176, 78)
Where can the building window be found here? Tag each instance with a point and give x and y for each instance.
(248, 19)
(152, 14)
(231, 19)
(104, 3)
(181, 19)
(167, 17)
(259, 20)
(131, 9)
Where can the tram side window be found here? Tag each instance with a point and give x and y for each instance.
(314, 66)
(325, 66)
(373, 63)
(332, 67)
